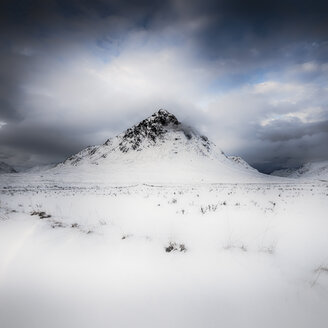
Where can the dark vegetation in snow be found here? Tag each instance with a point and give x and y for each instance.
(175, 247)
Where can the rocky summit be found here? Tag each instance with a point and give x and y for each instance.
(152, 128)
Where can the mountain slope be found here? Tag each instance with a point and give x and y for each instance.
(5, 168)
(159, 149)
(240, 161)
(316, 171)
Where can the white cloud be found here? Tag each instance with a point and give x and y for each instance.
(236, 117)
(93, 91)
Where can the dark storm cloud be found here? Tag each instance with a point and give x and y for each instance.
(7, 111)
(39, 139)
(73, 73)
(290, 143)
(286, 130)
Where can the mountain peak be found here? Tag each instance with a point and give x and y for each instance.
(152, 129)
(163, 117)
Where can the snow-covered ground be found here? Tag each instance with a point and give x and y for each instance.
(83, 253)
(157, 227)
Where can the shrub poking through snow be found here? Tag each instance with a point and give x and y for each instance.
(126, 236)
(231, 246)
(58, 224)
(321, 269)
(42, 215)
(208, 208)
(175, 247)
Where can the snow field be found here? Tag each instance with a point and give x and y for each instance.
(254, 255)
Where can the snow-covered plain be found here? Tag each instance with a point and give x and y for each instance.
(83, 254)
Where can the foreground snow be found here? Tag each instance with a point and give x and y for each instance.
(89, 254)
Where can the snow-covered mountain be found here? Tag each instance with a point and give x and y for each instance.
(159, 149)
(316, 171)
(40, 168)
(160, 136)
(5, 168)
(285, 173)
(242, 162)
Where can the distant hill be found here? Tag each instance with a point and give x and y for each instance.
(5, 168)
(315, 170)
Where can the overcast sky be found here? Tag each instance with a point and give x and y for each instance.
(251, 75)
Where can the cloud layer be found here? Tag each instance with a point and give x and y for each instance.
(251, 75)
